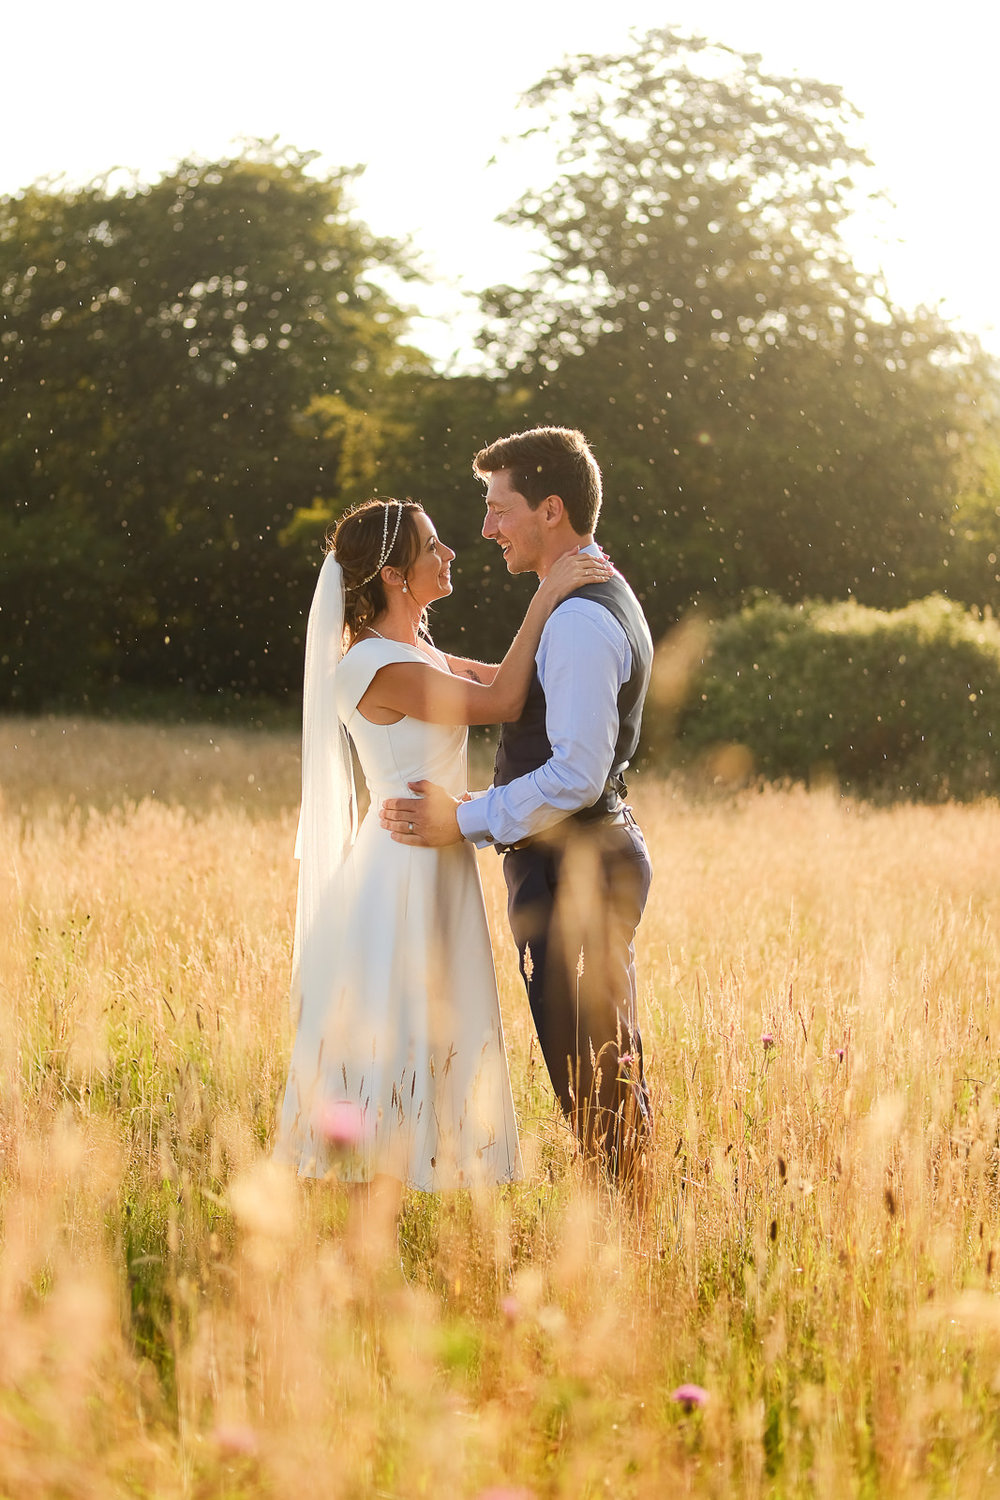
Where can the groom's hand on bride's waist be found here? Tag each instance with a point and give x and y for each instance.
(428, 818)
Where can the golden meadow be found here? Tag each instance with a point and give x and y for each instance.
(821, 1250)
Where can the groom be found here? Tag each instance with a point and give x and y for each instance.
(575, 861)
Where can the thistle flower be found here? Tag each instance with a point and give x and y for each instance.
(502, 1493)
(690, 1396)
(767, 1041)
(237, 1439)
(341, 1124)
(511, 1309)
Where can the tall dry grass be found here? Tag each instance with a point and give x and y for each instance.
(820, 1252)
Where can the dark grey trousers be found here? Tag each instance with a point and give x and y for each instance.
(574, 902)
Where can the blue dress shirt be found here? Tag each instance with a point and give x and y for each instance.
(583, 660)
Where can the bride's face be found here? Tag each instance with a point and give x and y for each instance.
(429, 575)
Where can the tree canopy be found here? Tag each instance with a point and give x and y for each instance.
(767, 417)
(185, 368)
(700, 201)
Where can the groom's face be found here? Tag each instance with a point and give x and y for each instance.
(513, 525)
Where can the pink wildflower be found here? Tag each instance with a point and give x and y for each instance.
(511, 1309)
(690, 1396)
(839, 1053)
(341, 1124)
(237, 1439)
(767, 1041)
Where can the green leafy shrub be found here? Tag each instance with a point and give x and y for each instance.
(906, 701)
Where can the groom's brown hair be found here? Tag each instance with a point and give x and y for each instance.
(549, 461)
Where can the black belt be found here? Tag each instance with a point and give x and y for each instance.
(611, 820)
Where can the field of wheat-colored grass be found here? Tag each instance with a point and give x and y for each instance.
(820, 1255)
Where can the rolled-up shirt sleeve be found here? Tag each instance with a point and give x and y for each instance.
(583, 659)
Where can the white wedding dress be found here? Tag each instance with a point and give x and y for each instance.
(406, 1027)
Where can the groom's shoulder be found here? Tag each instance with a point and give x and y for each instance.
(590, 620)
(612, 594)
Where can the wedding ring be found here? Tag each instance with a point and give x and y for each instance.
(411, 827)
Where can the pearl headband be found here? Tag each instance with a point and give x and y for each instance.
(387, 546)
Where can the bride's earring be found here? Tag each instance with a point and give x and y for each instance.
(406, 587)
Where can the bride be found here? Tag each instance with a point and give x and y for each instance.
(398, 1071)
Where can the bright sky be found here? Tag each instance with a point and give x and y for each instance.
(424, 93)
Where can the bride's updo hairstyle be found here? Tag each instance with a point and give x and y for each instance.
(366, 540)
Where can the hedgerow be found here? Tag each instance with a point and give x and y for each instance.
(906, 701)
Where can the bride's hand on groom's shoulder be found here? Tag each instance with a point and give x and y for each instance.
(428, 819)
(574, 570)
